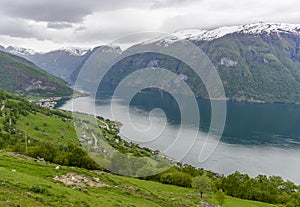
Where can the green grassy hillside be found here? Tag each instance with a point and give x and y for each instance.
(30, 134)
(18, 75)
(25, 182)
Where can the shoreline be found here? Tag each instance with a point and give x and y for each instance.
(215, 170)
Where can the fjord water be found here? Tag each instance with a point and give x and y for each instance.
(257, 139)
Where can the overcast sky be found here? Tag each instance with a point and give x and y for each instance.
(50, 24)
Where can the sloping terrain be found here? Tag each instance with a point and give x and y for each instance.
(33, 138)
(257, 62)
(18, 75)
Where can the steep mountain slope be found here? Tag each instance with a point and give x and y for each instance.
(256, 62)
(64, 63)
(60, 63)
(91, 65)
(262, 67)
(18, 75)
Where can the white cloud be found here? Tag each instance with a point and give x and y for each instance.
(70, 22)
(214, 13)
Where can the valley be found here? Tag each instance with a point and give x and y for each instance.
(36, 138)
(256, 62)
(67, 139)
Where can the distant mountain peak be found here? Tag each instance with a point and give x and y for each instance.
(75, 51)
(109, 48)
(262, 27)
(209, 35)
(19, 51)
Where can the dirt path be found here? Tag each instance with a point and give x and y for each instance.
(103, 122)
(95, 139)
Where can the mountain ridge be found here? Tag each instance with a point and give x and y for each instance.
(19, 75)
(191, 34)
(254, 29)
(257, 62)
(260, 64)
(61, 62)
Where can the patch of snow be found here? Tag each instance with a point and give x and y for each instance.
(19, 51)
(255, 28)
(111, 48)
(209, 35)
(74, 51)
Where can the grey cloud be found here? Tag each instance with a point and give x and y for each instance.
(171, 3)
(67, 10)
(101, 35)
(59, 25)
(105, 20)
(212, 14)
(80, 28)
(48, 10)
(16, 28)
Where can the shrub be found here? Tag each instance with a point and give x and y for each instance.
(176, 178)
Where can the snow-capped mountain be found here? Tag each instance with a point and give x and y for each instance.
(256, 62)
(74, 51)
(209, 35)
(61, 62)
(256, 28)
(20, 51)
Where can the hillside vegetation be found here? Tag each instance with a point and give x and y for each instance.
(18, 75)
(35, 140)
(253, 67)
(26, 182)
(261, 67)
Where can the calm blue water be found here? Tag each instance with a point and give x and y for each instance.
(276, 125)
(257, 139)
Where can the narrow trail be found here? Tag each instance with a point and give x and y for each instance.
(103, 122)
(95, 139)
